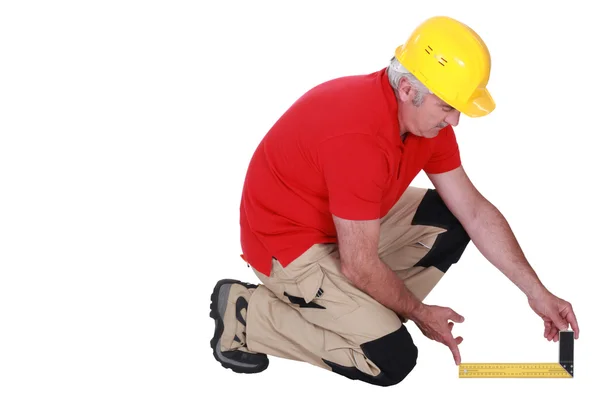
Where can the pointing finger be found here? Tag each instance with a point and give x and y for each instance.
(455, 352)
(449, 341)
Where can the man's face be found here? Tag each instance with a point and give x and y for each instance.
(425, 117)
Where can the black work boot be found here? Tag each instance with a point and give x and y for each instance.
(228, 307)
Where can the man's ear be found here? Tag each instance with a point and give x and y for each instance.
(405, 90)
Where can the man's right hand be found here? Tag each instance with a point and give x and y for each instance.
(433, 322)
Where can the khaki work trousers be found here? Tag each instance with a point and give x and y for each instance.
(309, 311)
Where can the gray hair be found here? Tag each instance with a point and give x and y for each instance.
(396, 71)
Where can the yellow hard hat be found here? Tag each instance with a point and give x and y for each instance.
(452, 61)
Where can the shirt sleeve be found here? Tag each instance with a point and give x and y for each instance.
(446, 154)
(356, 170)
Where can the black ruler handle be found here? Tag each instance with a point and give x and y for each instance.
(566, 350)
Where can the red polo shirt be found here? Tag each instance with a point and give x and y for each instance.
(336, 150)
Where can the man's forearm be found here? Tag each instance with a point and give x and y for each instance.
(381, 283)
(492, 235)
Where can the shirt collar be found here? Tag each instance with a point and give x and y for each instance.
(392, 105)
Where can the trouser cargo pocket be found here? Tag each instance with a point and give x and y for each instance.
(311, 287)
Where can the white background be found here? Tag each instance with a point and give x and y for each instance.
(125, 132)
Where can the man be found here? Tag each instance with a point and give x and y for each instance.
(345, 249)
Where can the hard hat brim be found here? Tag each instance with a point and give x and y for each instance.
(480, 104)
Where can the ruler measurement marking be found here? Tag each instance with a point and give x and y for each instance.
(561, 369)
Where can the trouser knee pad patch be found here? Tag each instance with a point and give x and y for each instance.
(450, 245)
(394, 354)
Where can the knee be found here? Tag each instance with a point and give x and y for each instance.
(394, 354)
(432, 211)
(450, 245)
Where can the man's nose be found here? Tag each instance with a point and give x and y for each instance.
(453, 118)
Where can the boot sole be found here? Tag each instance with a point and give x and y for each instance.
(219, 326)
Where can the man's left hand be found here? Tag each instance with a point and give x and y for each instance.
(557, 314)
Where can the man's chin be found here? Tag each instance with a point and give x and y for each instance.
(432, 133)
